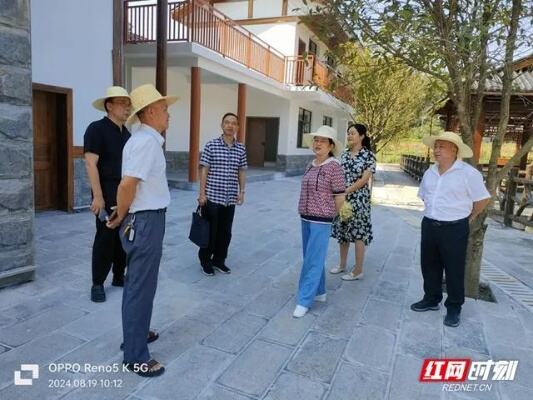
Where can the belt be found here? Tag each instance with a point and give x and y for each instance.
(158, 211)
(444, 223)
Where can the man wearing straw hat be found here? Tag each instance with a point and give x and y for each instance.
(142, 199)
(454, 195)
(103, 143)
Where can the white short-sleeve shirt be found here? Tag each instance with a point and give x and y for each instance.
(450, 196)
(143, 158)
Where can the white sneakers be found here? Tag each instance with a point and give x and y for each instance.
(321, 298)
(299, 311)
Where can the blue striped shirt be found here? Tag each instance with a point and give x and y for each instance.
(224, 163)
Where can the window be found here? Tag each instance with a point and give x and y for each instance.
(327, 121)
(304, 125)
(313, 48)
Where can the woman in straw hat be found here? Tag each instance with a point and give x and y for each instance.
(142, 199)
(321, 196)
(454, 194)
(103, 143)
(359, 163)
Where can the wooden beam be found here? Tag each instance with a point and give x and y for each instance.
(118, 43)
(161, 40)
(241, 113)
(250, 8)
(285, 7)
(194, 131)
(269, 20)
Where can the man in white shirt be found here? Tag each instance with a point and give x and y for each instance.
(142, 199)
(454, 195)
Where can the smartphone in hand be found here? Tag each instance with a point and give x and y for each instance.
(102, 215)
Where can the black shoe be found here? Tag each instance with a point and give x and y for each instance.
(98, 293)
(452, 318)
(118, 281)
(223, 268)
(207, 269)
(424, 305)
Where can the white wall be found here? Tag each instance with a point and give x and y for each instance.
(234, 9)
(267, 8)
(304, 33)
(217, 99)
(280, 36)
(71, 47)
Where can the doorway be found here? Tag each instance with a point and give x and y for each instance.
(52, 147)
(262, 141)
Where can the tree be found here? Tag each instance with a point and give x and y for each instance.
(462, 43)
(389, 97)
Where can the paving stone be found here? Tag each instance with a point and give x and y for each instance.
(404, 380)
(251, 364)
(186, 377)
(318, 357)
(283, 328)
(92, 325)
(468, 334)
(235, 333)
(516, 392)
(371, 346)
(216, 392)
(42, 351)
(355, 382)
(39, 325)
(382, 313)
(268, 303)
(390, 291)
(295, 387)
(507, 331)
(524, 370)
(338, 321)
(421, 340)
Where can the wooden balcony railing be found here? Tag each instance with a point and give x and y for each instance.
(199, 22)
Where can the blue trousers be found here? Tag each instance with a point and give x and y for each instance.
(315, 240)
(140, 284)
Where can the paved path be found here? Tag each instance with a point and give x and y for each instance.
(233, 337)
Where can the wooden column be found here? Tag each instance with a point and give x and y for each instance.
(161, 40)
(241, 112)
(194, 132)
(118, 43)
(528, 131)
(478, 137)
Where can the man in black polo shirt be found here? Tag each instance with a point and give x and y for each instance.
(103, 143)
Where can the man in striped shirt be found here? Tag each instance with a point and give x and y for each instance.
(222, 181)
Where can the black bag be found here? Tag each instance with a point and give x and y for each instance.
(199, 233)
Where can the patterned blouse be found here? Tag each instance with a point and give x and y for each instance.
(320, 184)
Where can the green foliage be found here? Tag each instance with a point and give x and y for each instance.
(390, 98)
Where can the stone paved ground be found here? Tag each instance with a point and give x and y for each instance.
(233, 337)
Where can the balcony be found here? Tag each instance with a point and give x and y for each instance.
(196, 21)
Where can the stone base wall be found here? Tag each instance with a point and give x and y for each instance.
(177, 161)
(16, 145)
(293, 164)
(82, 187)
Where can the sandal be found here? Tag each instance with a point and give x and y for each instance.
(148, 369)
(152, 337)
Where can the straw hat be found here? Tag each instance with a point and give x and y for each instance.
(464, 150)
(327, 132)
(112, 91)
(143, 96)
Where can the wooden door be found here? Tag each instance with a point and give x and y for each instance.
(300, 65)
(45, 150)
(255, 141)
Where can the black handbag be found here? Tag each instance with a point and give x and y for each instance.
(199, 233)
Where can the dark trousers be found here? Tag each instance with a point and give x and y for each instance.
(443, 248)
(144, 255)
(220, 219)
(107, 251)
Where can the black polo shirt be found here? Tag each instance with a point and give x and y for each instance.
(107, 140)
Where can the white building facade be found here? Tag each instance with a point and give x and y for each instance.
(255, 58)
